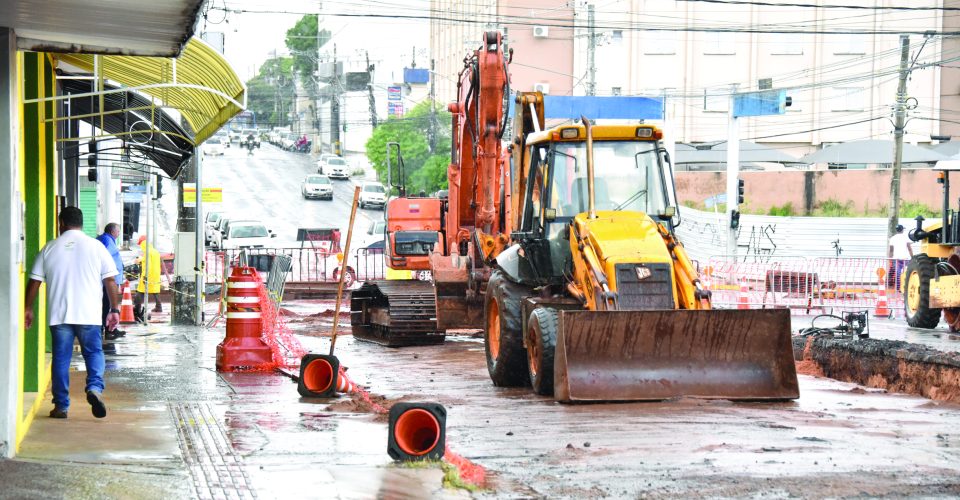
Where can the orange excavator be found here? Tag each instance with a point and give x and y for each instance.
(453, 238)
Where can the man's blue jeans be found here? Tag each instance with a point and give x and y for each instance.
(92, 349)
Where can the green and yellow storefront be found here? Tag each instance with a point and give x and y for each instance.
(34, 184)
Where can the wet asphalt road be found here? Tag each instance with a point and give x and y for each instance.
(265, 186)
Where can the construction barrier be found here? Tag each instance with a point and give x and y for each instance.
(243, 347)
(806, 285)
(417, 431)
(306, 264)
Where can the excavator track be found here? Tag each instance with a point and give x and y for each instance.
(395, 313)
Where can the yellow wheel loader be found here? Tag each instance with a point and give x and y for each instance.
(930, 282)
(596, 300)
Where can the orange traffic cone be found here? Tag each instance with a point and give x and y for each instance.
(743, 300)
(882, 309)
(126, 306)
(344, 384)
(417, 431)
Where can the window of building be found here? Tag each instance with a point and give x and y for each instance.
(616, 38)
(616, 91)
(715, 102)
(848, 44)
(848, 99)
(718, 43)
(659, 43)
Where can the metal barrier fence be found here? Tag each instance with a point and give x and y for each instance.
(805, 285)
(306, 264)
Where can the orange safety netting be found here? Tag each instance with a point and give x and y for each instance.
(287, 350)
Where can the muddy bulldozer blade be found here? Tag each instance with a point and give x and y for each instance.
(655, 355)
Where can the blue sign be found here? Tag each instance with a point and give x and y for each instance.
(765, 102)
(416, 75)
(601, 108)
(135, 188)
(393, 93)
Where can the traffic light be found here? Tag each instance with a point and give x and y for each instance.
(739, 192)
(159, 184)
(734, 219)
(92, 160)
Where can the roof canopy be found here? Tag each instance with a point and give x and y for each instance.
(199, 84)
(131, 27)
(873, 152)
(147, 131)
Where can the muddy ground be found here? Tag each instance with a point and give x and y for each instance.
(837, 440)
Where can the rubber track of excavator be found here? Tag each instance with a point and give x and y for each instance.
(412, 309)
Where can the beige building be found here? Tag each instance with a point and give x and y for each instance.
(843, 85)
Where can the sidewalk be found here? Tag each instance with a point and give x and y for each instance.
(178, 429)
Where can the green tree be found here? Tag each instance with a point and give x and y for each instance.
(425, 170)
(270, 94)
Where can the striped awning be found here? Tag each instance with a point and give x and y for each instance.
(200, 84)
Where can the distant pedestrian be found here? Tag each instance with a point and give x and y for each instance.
(75, 267)
(151, 275)
(901, 252)
(111, 232)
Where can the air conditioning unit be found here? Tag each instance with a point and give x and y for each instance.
(541, 31)
(543, 88)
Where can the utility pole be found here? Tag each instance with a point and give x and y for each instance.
(335, 107)
(433, 110)
(373, 100)
(900, 118)
(591, 52)
(733, 176)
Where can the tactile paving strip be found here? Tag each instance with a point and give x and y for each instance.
(217, 470)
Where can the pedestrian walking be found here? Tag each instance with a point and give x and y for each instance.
(151, 276)
(901, 252)
(109, 238)
(75, 268)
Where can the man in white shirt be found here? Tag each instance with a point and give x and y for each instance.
(901, 252)
(76, 269)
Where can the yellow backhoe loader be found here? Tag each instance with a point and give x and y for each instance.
(596, 300)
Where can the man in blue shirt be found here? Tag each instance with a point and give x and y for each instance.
(111, 233)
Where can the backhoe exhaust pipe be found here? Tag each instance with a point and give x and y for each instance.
(591, 201)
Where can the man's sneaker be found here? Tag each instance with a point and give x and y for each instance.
(58, 412)
(114, 335)
(96, 404)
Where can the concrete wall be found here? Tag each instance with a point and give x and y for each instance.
(869, 190)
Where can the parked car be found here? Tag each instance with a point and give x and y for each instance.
(287, 141)
(216, 235)
(317, 186)
(210, 226)
(372, 194)
(374, 235)
(246, 233)
(337, 168)
(234, 136)
(244, 134)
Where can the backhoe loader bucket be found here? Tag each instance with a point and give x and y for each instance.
(653, 355)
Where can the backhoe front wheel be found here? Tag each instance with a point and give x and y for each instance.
(541, 345)
(916, 301)
(502, 336)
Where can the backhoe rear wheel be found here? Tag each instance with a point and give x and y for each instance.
(502, 336)
(541, 345)
(916, 301)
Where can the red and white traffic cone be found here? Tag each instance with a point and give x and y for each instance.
(126, 306)
(743, 299)
(882, 308)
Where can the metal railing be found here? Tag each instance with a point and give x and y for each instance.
(306, 264)
(805, 285)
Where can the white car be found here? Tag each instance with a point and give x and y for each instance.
(213, 147)
(337, 168)
(376, 232)
(317, 186)
(250, 234)
(210, 226)
(373, 194)
(322, 161)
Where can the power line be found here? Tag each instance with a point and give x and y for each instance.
(824, 6)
